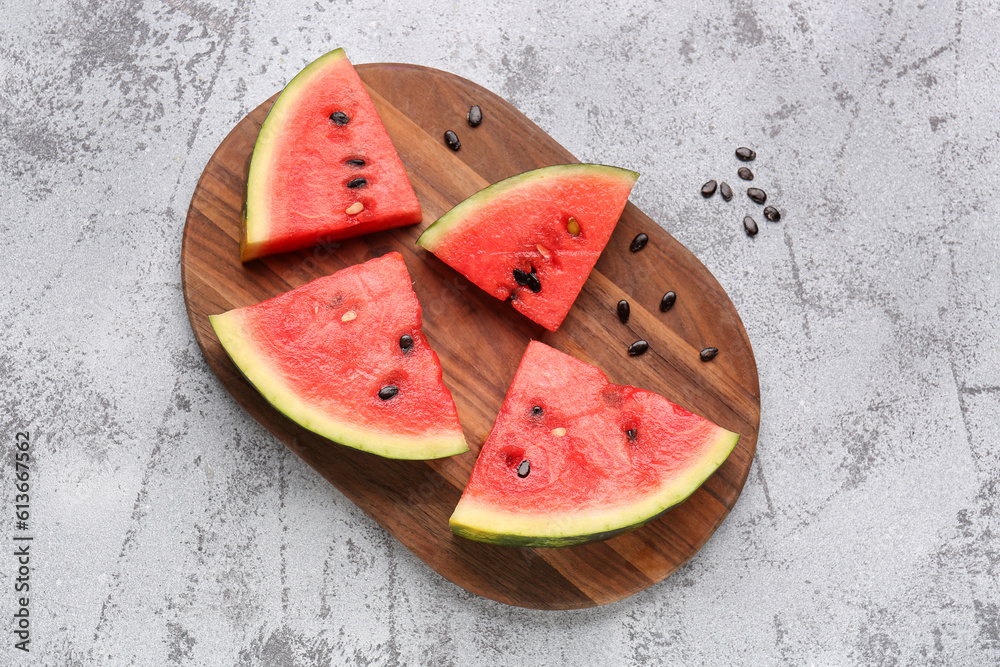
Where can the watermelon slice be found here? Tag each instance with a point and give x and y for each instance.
(574, 459)
(534, 237)
(344, 356)
(323, 167)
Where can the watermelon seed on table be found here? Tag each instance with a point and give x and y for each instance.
(757, 195)
(745, 154)
(725, 191)
(708, 189)
(745, 174)
(387, 392)
(406, 342)
(357, 183)
(772, 214)
(339, 118)
(750, 225)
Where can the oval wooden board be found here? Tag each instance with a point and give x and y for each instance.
(480, 341)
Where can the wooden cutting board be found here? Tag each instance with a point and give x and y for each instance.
(480, 341)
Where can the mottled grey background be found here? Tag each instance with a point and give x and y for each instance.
(172, 530)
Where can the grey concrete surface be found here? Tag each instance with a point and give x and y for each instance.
(170, 529)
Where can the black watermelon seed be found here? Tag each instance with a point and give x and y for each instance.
(631, 433)
(708, 189)
(772, 213)
(524, 469)
(639, 242)
(637, 348)
(750, 225)
(339, 118)
(725, 191)
(475, 115)
(709, 353)
(668, 301)
(623, 311)
(537, 410)
(451, 139)
(405, 342)
(534, 284)
(521, 277)
(356, 162)
(757, 195)
(745, 174)
(387, 392)
(357, 183)
(745, 154)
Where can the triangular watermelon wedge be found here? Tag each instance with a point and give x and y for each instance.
(344, 356)
(573, 458)
(534, 237)
(323, 167)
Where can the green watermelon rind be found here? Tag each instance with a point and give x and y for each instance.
(463, 213)
(268, 382)
(253, 231)
(477, 521)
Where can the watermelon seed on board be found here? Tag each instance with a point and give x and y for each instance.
(668, 301)
(639, 242)
(623, 311)
(475, 115)
(709, 353)
(451, 139)
(637, 348)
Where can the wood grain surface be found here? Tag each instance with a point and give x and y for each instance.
(480, 341)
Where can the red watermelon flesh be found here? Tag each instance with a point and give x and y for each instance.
(601, 458)
(551, 223)
(322, 134)
(323, 352)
